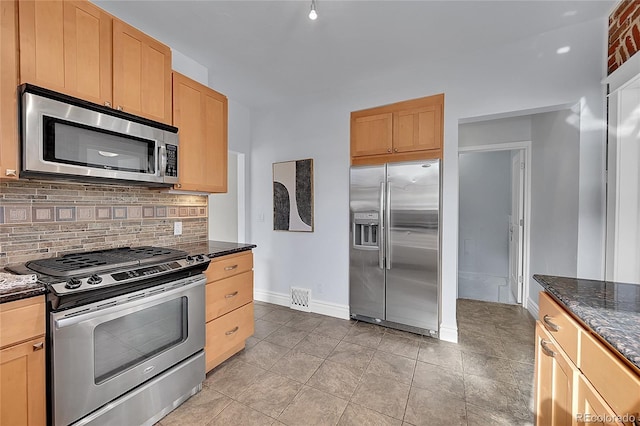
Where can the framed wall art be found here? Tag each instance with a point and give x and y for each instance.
(293, 196)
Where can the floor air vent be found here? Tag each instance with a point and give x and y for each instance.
(300, 298)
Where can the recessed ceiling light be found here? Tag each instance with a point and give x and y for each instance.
(563, 50)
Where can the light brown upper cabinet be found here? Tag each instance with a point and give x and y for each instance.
(371, 134)
(201, 115)
(65, 46)
(76, 48)
(8, 82)
(404, 131)
(141, 74)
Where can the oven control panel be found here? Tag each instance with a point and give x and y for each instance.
(97, 281)
(142, 272)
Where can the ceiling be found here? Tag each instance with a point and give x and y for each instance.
(261, 52)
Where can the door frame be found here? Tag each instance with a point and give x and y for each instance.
(526, 147)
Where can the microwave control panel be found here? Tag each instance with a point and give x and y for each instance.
(172, 160)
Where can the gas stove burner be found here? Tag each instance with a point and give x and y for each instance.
(93, 262)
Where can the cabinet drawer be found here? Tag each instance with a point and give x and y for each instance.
(228, 266)
(226, 335)
(614, 381)
(226, 295)
(560, 325)
(21, 320)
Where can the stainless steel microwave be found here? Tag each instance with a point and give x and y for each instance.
(65, 137)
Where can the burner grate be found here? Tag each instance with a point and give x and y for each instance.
(102, 260)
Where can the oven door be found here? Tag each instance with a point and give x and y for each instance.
(101, 351)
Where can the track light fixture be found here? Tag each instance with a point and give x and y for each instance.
(313, 15)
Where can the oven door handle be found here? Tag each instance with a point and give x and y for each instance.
(134, 304)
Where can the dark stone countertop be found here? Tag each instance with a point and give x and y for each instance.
(10, 291)
(215, 248)
(15, 291)
(610, 309)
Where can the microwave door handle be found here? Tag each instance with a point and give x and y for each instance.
(162, 159)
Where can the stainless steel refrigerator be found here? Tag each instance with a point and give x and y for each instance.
(394, 245)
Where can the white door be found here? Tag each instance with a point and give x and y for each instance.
(623, 186)
(516, 225)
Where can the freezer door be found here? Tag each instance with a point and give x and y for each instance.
(413, 197)
(366, 260)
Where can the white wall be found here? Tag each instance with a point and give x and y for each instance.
(495, 131)
(554, 197)
(485, 206)
(317, 260)
(187, 66)
(521, 75)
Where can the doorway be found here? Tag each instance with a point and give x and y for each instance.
(493, 226)
(227, 211)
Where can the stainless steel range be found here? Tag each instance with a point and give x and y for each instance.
(126, 333)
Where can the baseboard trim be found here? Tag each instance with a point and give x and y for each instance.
(448, 334)
(533, 308)
(330, 309)
(316, 306)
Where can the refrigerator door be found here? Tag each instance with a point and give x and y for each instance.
(366, 255)
(412, 243)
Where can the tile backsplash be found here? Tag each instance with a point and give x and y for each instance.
(41, 219)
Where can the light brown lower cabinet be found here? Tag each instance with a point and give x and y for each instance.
(555, 380)
(578, 379)
(229, 306)
(226, 335)
(592, 409)
(22, 364)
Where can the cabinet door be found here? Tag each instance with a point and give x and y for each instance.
(22, 384)
(418, 129)
(555, 378)
(215, 135)
(371, 135)
(66, 46)
(8, 84)
(591, 408)
(141, 74)
(200, 114)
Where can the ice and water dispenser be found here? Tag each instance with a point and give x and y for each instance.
(366, 229)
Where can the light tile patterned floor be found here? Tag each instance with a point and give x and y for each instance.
(308, 369)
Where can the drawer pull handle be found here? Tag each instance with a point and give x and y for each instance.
(38, 346)
(549, 324)
(230, 268)
(230, 295)
(546, 349)
(232, 331)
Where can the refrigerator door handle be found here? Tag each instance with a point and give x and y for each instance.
(382, 229)
(387, 225)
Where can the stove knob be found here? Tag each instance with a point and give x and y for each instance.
(200, 258)
(73, 283)
(190, 259)
(94, 279)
